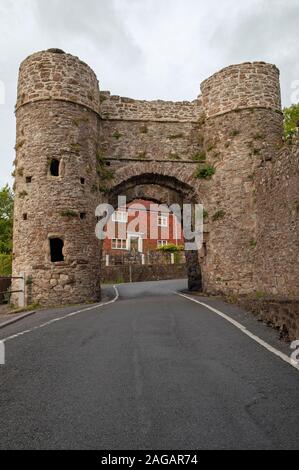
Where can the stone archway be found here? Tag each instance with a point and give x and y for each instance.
(164, 189)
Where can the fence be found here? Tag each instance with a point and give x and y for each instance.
(141, 259)
(6, 289)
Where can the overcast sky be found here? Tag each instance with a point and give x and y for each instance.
(146, 48)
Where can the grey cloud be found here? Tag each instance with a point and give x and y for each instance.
(146, 48)
(265, 30)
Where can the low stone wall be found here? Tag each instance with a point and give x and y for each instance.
(139, 273)
(281, 314)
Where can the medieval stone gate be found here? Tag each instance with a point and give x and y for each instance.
(77, 147)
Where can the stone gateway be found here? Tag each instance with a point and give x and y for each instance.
(78, 146)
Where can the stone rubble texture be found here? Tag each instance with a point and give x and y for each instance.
(152, 149)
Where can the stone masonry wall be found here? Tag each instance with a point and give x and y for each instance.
(149, 140)
(277, 241)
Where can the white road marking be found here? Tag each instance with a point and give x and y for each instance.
(244, 330)
(42, 325)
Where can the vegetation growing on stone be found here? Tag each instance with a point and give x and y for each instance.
(205, 214)
(201, 121)
(94, 188)
(174, 156)
(258, 136)
(116, 135)
(102, 98)
(142, 155)
(220, 214)
(104, 173)
(19, 144)
(143, 129)
(76, 147)
(199, 157)
(210, 147)
(176, 136)
(234, 133)
(69, 213)
(77, 121)
(205, 172)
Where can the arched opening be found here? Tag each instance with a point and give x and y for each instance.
(162, 190)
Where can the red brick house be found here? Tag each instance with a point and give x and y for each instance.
(142, 226)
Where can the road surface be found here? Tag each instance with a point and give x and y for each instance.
(151, 370)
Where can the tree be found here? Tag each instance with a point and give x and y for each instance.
(291, 121)
(6, 220)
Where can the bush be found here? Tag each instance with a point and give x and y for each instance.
(171, 248)
(5, 265)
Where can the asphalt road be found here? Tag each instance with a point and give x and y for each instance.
(150, 371)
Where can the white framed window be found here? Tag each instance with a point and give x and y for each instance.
(162, 243)
(120, 216)
(162, 220)
(119, 244)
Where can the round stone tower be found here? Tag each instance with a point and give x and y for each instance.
(56, 179)
(241, 131)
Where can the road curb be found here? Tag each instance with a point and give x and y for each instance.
(16, 319)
